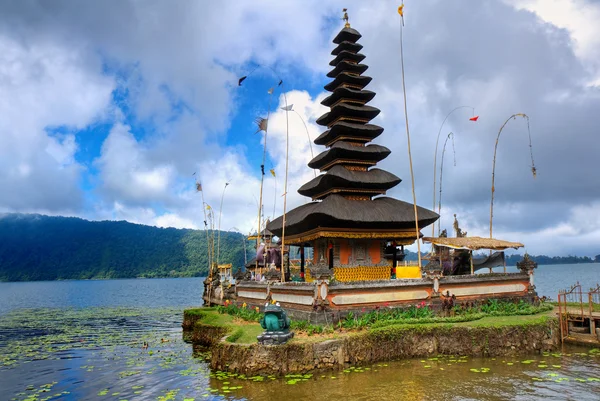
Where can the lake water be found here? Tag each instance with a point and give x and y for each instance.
(82, 340)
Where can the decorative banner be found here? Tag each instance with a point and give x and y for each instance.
(287, 108)
(241, 80)
(272, 172)
(198, 187)
(262, 123)
(474, 118)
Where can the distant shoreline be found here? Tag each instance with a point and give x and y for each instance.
(202, 277)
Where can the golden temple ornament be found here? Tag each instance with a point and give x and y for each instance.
(345, 18)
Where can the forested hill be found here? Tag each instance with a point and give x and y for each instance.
(35, 247)
(511, 260)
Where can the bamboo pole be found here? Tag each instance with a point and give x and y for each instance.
(441, 172)
(220, 213)
(312, 156)
(436, 153)
(533, 169)
(262, 178)
(285, 185)
(412, 176)
(471, 260)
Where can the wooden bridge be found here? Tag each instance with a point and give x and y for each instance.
(579, 315)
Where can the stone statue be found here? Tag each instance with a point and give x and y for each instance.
(276, 325)
(459, 232)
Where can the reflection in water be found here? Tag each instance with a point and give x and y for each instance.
(561, 376)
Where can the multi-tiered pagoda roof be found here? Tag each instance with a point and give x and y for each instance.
(346, 197)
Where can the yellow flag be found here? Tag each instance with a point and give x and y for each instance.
(401, 10)
(208, 207)
(272, 172)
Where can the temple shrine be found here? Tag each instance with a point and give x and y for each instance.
(357, 234)
(349, 223)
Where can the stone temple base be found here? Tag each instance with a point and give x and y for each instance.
(275, 337)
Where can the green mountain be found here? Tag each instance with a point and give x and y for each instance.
(36, 247)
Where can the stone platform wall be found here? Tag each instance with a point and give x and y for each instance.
(385, 344)
(323, 302)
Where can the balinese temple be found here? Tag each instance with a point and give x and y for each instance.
(265, 246)
(350, 222)
(357, 233)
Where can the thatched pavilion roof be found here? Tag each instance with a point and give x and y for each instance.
(473, 243)
(339, 212)
(347, 34)
(346, 151)
(345, 206)
(347, 55)
(340, 177)
(357, 132)
(348, 93)
(346, 46)
(347, 66)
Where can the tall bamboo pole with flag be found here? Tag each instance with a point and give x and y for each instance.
(263, 125)
(533, 169)
(287, 138)
(437, 141)
(412, 175)
(450, 135)
(220, 213)
(199, 189)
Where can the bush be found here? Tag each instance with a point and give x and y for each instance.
(235, 335)
(243, 312)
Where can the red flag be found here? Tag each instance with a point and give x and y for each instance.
(474, 118)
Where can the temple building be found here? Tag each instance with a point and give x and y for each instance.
(357, 233)
(350, 222)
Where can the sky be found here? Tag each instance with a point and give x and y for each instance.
(107, 109)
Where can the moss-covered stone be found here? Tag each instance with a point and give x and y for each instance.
(490, 336)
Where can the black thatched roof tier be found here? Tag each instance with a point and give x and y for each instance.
(358, 81)
(346, 151)
(337, 212)
(348, 94)
(347, 34)
(346, 55)
(351, 111)
(348, 46)
(345, 66)
(344, 130)
(340, 178)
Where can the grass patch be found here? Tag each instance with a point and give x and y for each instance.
(515, 320)
(240, 333)
(243, 328)
(236, 335)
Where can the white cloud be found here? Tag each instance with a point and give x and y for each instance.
(44, 85)
(579, 17)
(177, 66)
(126, 172)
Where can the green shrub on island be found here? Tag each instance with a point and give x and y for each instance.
(386, 316)
(242, 312)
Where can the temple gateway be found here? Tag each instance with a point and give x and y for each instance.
(356, 233)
